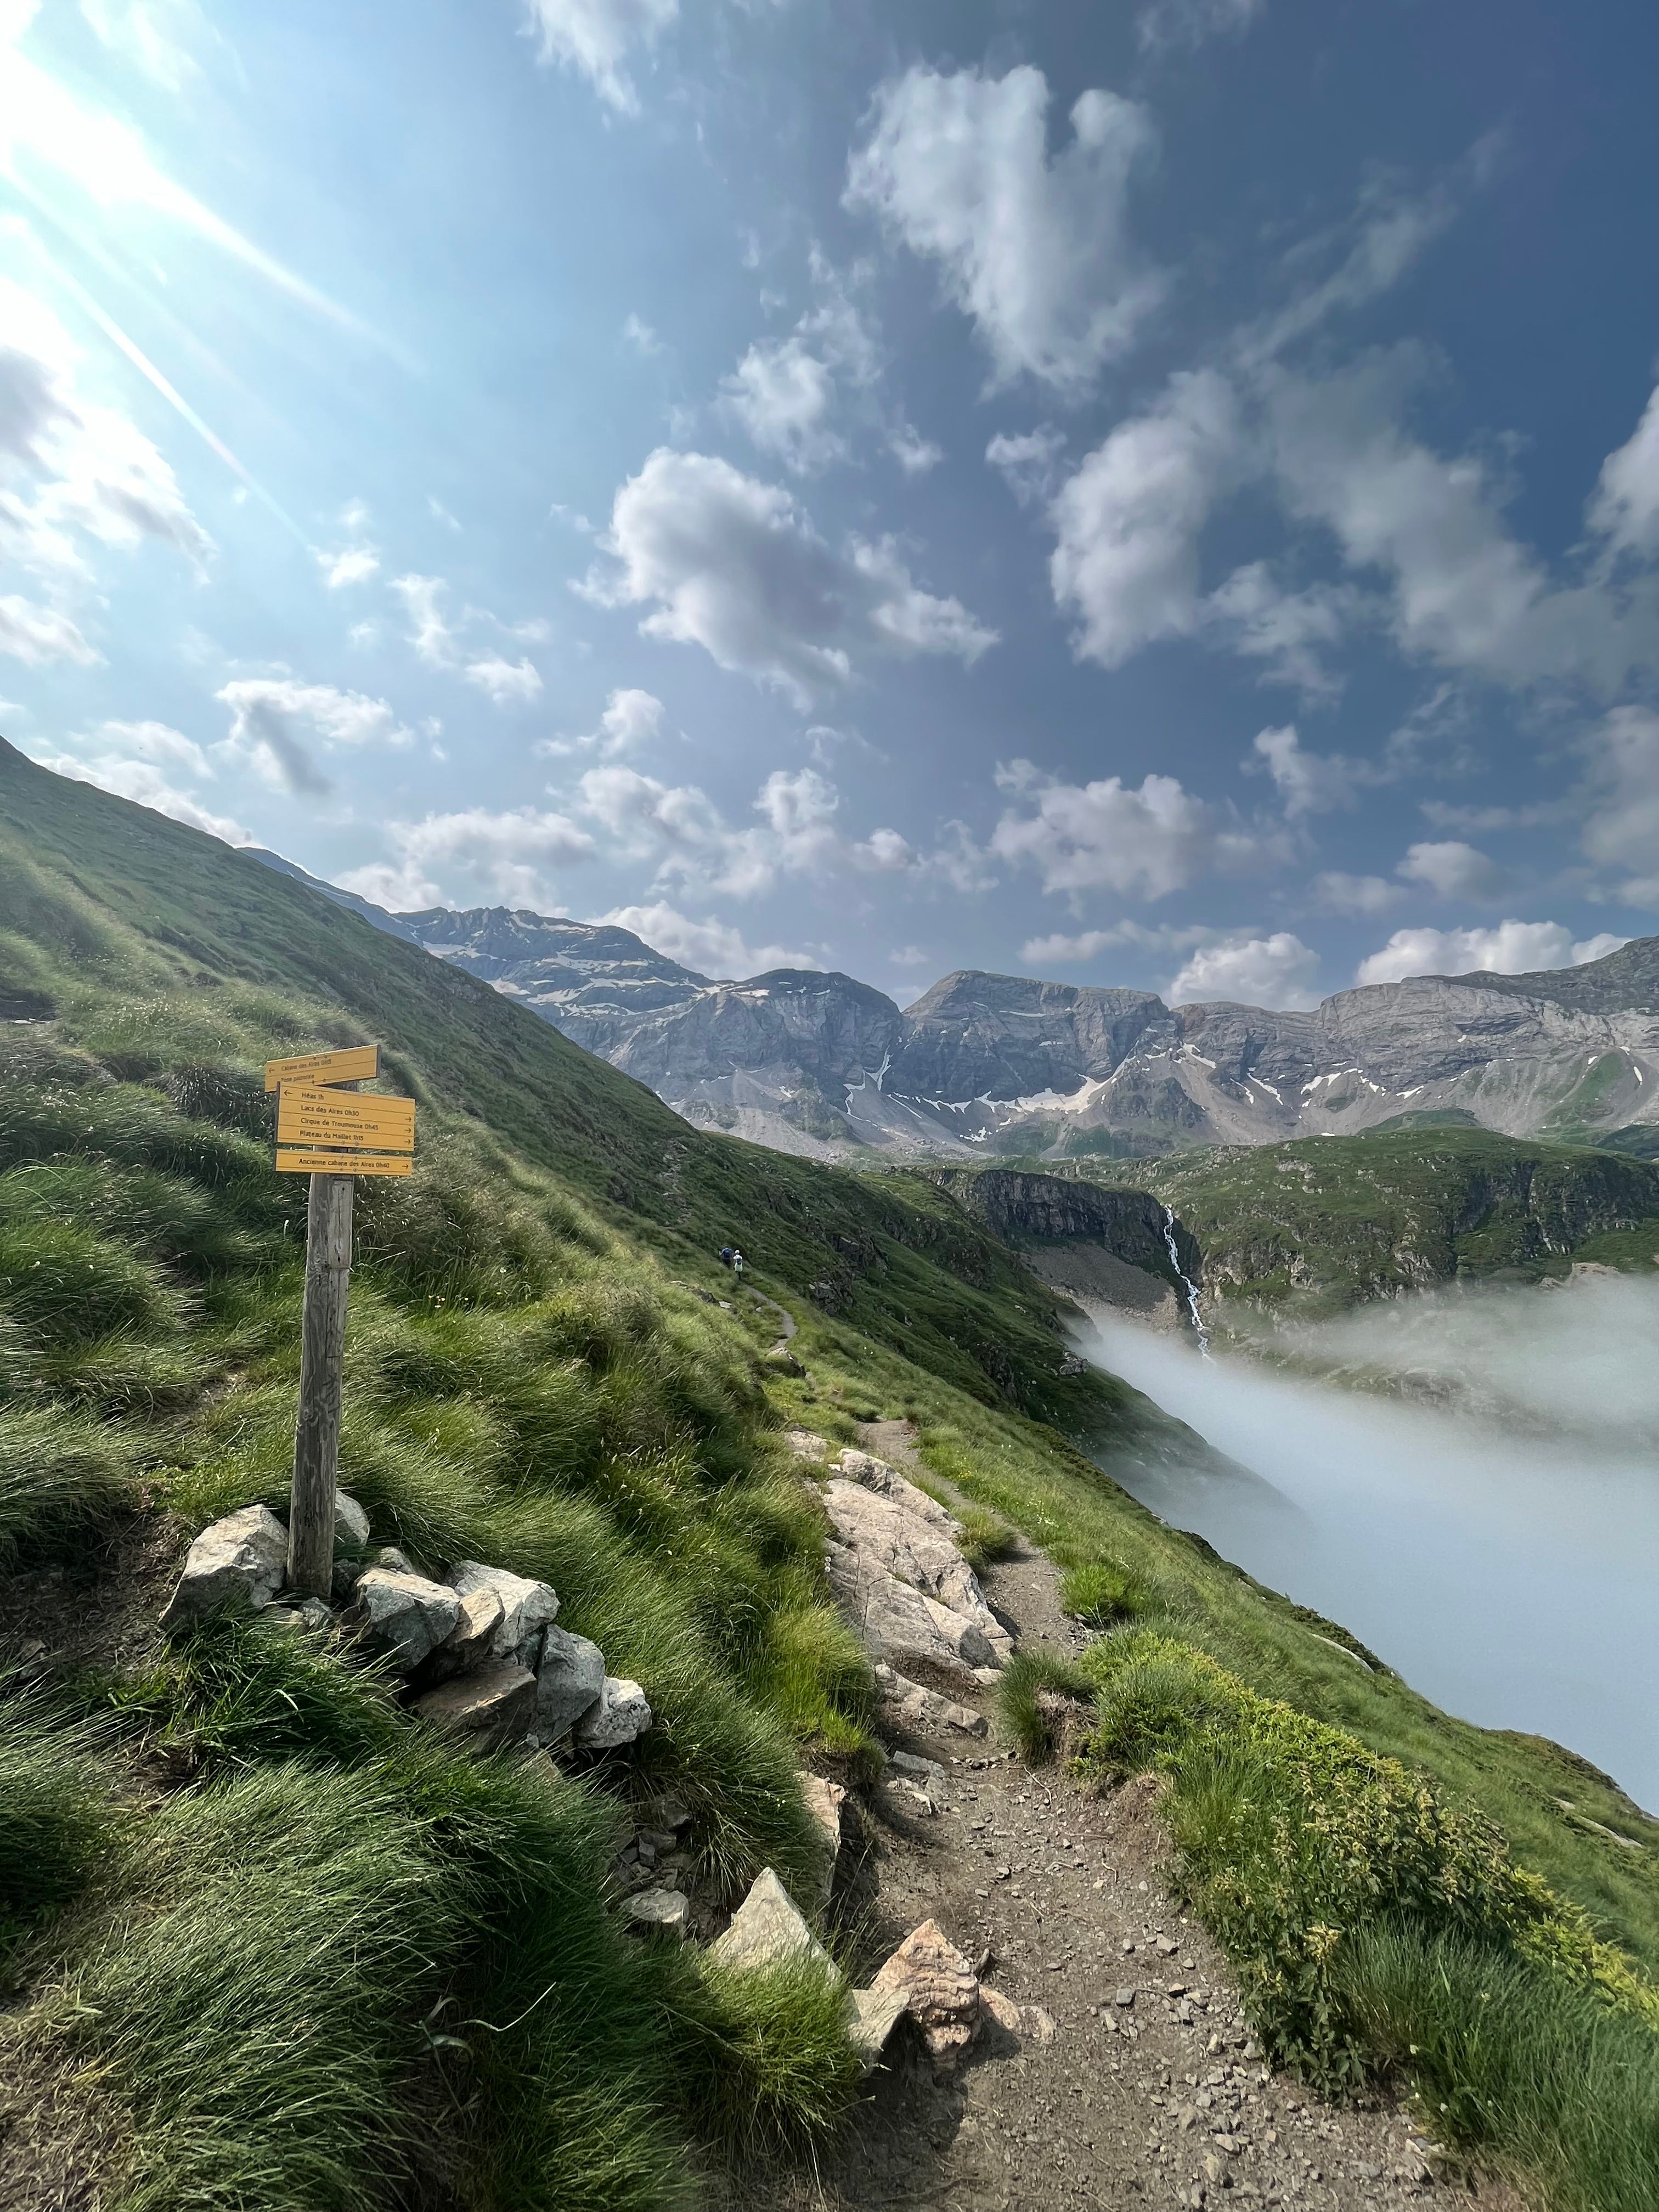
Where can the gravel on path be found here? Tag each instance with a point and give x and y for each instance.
(1150, 2092)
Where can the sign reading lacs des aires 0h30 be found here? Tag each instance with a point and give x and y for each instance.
(323, 1129)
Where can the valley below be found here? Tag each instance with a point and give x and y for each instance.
(1499, 1551)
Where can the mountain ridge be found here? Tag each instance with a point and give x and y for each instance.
(818, 1063)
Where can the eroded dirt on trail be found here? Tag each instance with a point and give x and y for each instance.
(1150, 2092)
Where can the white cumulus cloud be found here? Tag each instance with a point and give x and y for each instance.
(1620, 829)
(34, 633)
(1127, 523)
(1109, 835)
(1512, 948)
(1625, 506)
(507, 683)
(712, 947)
(736, 566)
(511, 855)
(1454, 869)
(1034, 248)
(1191, 23)
(1252, 971)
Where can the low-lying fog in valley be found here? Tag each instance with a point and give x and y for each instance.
(1498, 1547)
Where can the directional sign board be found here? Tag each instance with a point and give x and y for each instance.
(357, 1063)
(306, 1115)
(352, 1164)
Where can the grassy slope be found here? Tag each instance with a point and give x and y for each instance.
(583, 1415)
(94, 892)
(1323, 1223)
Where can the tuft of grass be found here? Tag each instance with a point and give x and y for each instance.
(1512, 2062)
(242, 1693)
(56, 1817)
(1102, 1594)
(65, 1285)
(254, 1992)
(762, 2060)
(63, 1476)
(1027, 1690)
(988, 1537)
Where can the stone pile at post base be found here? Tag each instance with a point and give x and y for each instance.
(479, 1651)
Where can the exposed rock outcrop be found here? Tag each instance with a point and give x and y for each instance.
(896, 1567)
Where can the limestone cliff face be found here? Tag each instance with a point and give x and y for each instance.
(1022, 1208)
(985, 1064)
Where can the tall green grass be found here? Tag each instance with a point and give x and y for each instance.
(1511, 2063)
(56, 1815)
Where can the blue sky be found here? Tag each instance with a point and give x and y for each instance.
(1163, 494)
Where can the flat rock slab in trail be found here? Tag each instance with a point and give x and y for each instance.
(1146, 2095)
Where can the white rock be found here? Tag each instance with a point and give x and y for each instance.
(468, 1644)
(924, 1708)
(620, 1714)
(765, 1928)
(805, 1444)
(526, 1609)
(871, 2016)
(238, 1563)
(823, 1802)
(875, 1475)
(658, 1908)
(900, 1624)
(350, 1522)
(888, 1533)
(569, 1683)
(404, 1616)
(940, 1989)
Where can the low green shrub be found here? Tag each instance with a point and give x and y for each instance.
(67, 1284)
(244, 1691)
(63, 1476)
(763, 2062)
(253, 1993)
(1293, 1837)
(987, 1536)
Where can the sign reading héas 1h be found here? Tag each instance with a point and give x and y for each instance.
(331, 1134)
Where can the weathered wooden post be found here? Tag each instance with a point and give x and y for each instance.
(322, 1367)
(332, 1137)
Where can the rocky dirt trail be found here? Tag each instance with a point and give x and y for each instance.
(1142, 2087)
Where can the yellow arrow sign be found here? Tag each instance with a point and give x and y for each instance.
(308, 1115)
(356, 1063)
(352, 1164)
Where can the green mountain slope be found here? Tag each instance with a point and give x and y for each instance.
(106, 911)
(1323, 1223)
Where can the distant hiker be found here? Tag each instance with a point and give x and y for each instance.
(736, 1263)
(727, 1255)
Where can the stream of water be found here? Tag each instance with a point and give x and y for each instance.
(1510, 1578)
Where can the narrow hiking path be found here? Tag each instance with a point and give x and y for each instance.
(1150, 2092)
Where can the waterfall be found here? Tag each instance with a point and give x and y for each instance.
(1199, 1329)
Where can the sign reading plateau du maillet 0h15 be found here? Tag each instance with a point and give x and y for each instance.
(323, 1129)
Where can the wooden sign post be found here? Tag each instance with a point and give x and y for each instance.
(325, 1132)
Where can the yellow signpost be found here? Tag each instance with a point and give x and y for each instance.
(306, 1115)
(357, 1063)
(331, 1134)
